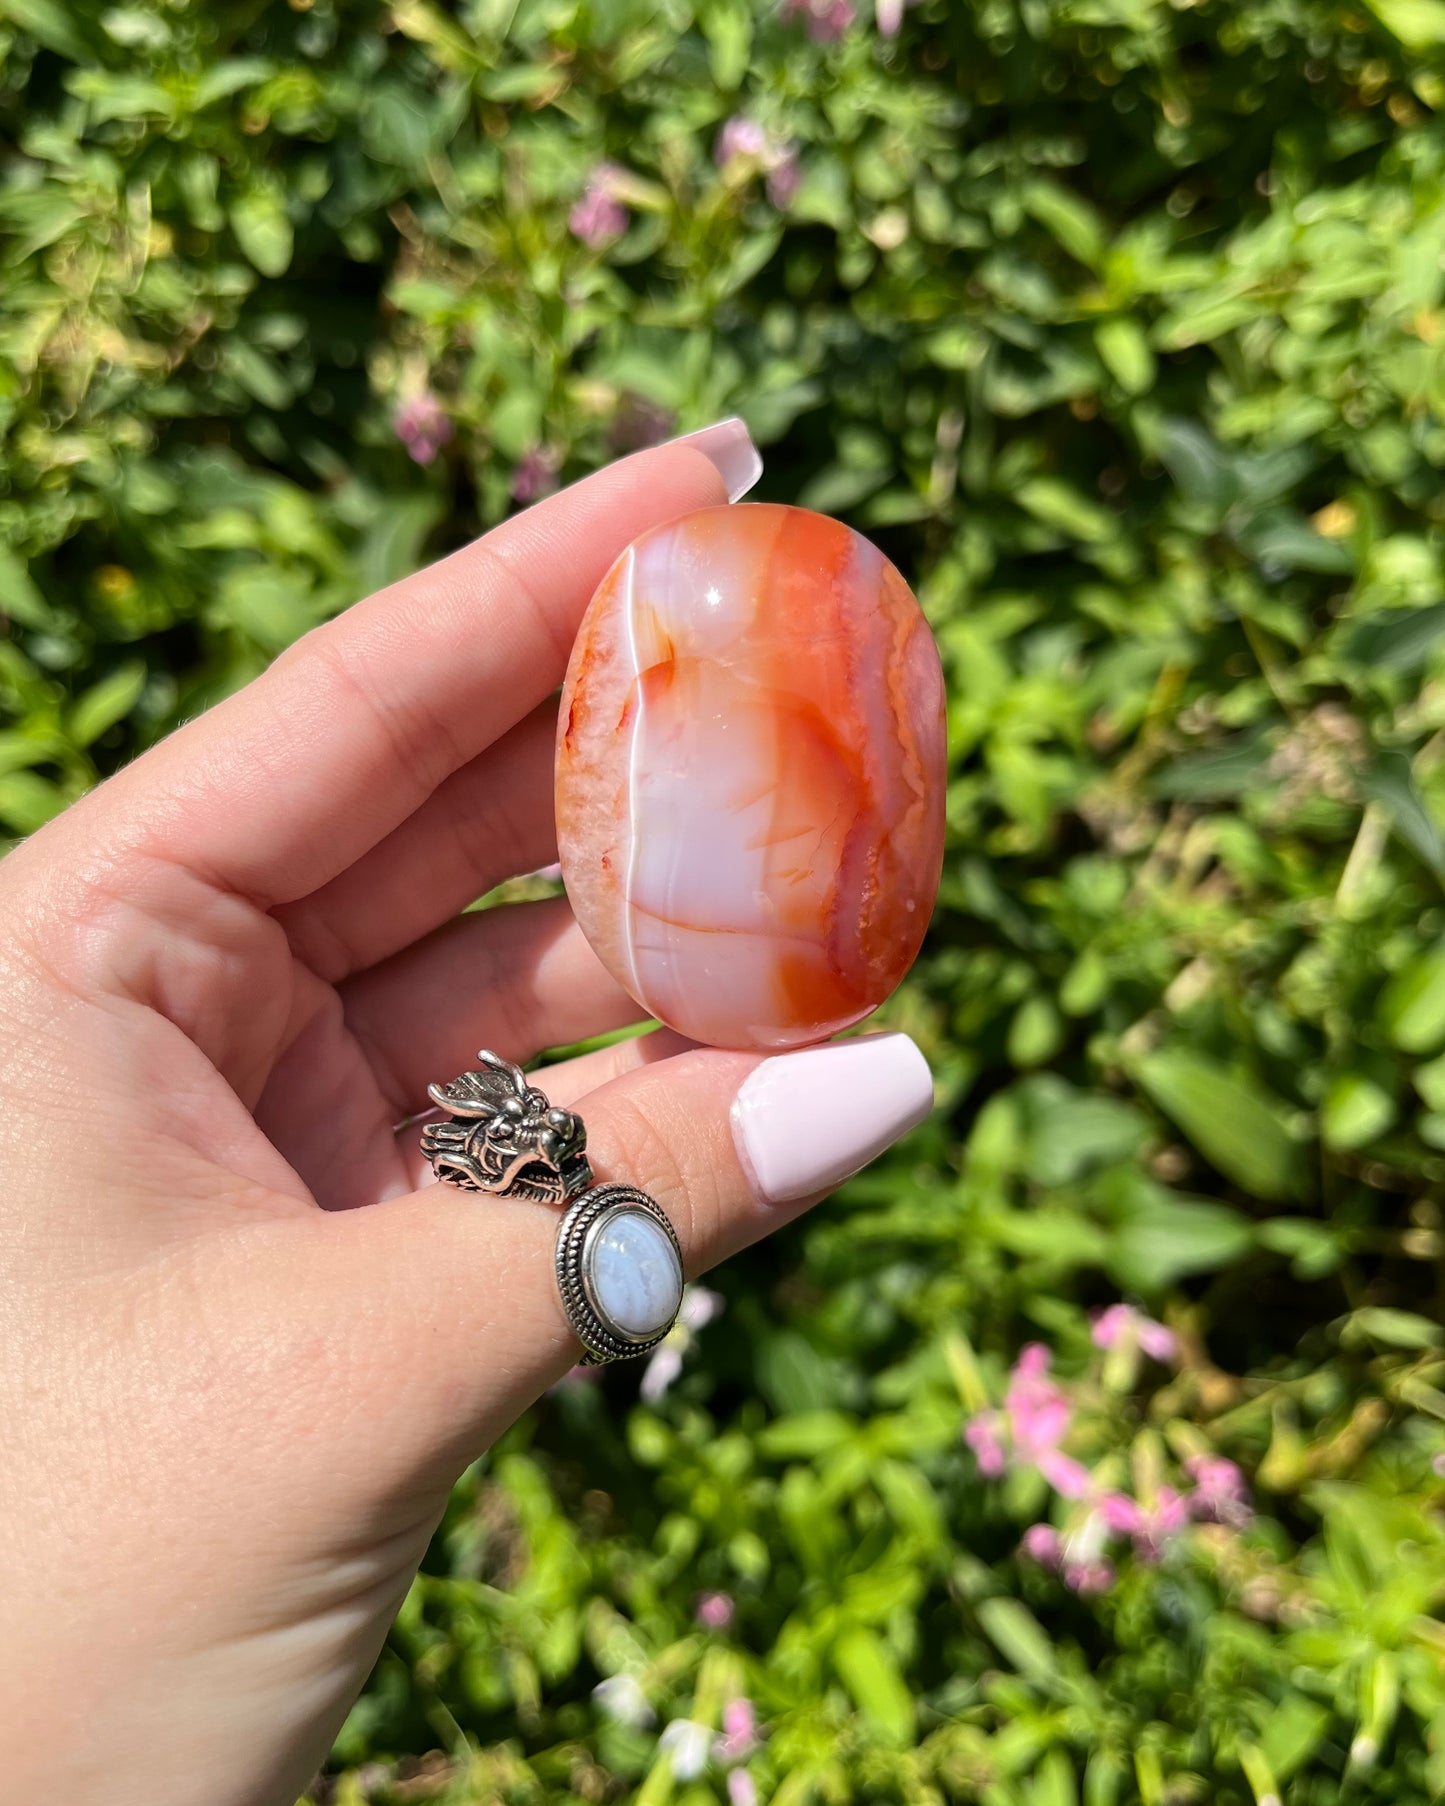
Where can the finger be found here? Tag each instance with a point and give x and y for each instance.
(491, 820)
(275, 791)
(450, 1300)
(515, 979)
(566, 1082)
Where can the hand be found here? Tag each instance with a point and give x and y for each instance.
(235, 1402)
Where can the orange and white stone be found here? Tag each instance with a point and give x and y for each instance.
(750, 775)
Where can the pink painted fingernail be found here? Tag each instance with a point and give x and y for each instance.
(729, 447)
(804, 1121)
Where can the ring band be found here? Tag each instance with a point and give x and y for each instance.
(618, 1263)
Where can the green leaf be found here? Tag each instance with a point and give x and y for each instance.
(1104, 1778)
(1069, 218)
(1412, 1004)
(263, 230)
(1225, 772)
(751, 256)
(19, 597)
(1356, 1111)
(123, 97)
(805, 1435)
(912, 1503)
(1074, 1132)
(259, 375)
(1160, 1237)
(1390, 781)
(392, 546)
(396, 127)
(1237, 1124)
(728, 27)
(28, 801)
(49, 23)
(1127, 355)
(1429, 1081)
(270, 607)
(866, 1667)
(1263, 1783)
(1054, 1782)
(1397, 639)
(1021, 1638)
(1206, 320)
(229, 77)
(837, 488)
(1418, 24)
(1199, 468)
(1396, 1329)
(1036, 1032)
(107, 702)
(28, 745)
(1289, 541)
(796, 1377)
(1059, 504)
(1313, 1249)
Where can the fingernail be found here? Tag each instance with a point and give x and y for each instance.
(804, 1121)
(729, 447)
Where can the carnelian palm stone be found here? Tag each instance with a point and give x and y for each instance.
(750, 775)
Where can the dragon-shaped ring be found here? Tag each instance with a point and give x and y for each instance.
(503, 1136)
(619, 1266)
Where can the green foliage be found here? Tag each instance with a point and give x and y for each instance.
(1119, 324)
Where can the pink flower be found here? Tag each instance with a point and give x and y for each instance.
(1038, 1413)
(714, 1611)
(826, 20)
(1043, 1544)
(1153, 1527)
(421, 423)
(1121, 1513)
(740, 137)
(599, 217)
(535, 474)
(889, 17)
(981, 1433)
(740, 1731)
(1089, 1577)
(785, 178)
(742, 1789)
(1122, 1321)
(1034, 1421)
(1220, 1495)
(743, 140)
(1070, 1479)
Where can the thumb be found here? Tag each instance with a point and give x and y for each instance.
(451, 1297)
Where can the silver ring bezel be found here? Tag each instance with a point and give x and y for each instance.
(601, 1338)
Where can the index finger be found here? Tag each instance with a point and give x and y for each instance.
(277, 789)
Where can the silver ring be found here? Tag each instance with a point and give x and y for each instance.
(619, 1266)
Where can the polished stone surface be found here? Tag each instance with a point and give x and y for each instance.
(750, 775)
(633, 1273)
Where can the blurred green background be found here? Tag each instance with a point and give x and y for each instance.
(1118, 324)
